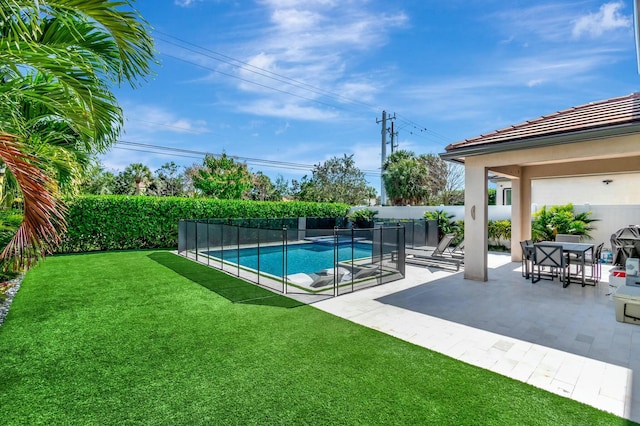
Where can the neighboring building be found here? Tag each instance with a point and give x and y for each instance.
(503, 190)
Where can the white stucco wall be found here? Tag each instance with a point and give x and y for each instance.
(417, 212)
(622, 189)
(611, 189)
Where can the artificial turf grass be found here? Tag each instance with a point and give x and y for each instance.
(112, 338)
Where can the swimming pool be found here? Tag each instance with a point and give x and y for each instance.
(305, 258)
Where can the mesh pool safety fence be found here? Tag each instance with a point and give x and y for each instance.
(311, 257)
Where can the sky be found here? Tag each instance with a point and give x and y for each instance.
(286, 84)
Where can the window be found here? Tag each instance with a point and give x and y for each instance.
(506, 196)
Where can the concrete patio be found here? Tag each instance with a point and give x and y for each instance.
(564, 340)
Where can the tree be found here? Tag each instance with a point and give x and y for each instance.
(168, 181)
(61, 56)
(491, 196)
(263, 189)
(97, 181)
(446, 181)
(436, 176)
(281, 189)
(222, 178)
(405, 178)
(337, 180)
(140, 175)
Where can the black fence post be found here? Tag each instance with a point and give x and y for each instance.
(353, 231)
(335, 260)
(285, 267)
(238, 249)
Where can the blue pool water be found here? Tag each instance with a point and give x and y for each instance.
(305, 258)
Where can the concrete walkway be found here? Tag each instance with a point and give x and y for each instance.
(565, 341)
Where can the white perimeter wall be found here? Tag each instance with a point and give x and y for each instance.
(611, 217)
(417, 212)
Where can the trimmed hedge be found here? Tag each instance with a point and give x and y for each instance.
(119, 222)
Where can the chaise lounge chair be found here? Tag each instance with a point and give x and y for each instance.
(441, 256)
(317, 279)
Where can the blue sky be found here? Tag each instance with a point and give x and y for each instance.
(299, 82)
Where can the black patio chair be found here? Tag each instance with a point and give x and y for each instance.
(549, 256)
(527, 257)
(593, 263)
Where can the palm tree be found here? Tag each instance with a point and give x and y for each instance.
(57, 60)
(141, 176)
(406, 178)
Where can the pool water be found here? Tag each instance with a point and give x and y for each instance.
(305, 258)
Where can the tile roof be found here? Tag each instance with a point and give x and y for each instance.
(608, 113)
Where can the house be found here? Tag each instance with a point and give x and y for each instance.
(597, 139)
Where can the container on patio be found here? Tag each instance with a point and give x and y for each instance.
(617, 279)
(627, 300)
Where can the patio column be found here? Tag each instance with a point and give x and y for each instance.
(520, 214)
(475, 219)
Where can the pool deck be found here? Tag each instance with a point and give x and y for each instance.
(563, 340)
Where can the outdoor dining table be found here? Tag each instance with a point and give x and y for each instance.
(580, 251)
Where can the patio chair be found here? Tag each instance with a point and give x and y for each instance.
(549, 256)
(527, 257)
(443, 246)
(361, 272)
(439, 257)
(458, 251)
(567, 238)
(593, 263)
(434, 261)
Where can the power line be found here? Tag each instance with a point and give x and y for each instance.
(262, 71)
(418, 129)
(187, 153)
(249, 81)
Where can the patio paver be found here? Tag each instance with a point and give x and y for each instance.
(565, 341)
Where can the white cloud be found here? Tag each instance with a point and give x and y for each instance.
(272, 108)
(152, 119)
(283, 129)
(185, 3)
(607, 19)
(309, 49)
(557, 22)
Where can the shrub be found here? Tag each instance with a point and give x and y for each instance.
(445, 223)
(363, 218)
(116, 222)
(9, 222)
(560, 220)
(498, 230)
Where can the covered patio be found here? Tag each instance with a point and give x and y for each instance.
(596, 138)
(564, 340)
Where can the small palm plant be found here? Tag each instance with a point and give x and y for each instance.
(446, 224)
(363, 218)
(560, 220)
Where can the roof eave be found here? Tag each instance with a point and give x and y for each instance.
(636, 21)
(458, 155)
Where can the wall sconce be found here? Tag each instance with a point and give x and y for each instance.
(607, 181)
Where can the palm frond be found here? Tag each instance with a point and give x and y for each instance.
(43, 220)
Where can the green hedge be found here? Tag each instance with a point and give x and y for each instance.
(115, 222)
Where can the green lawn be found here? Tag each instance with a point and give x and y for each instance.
(147, 337)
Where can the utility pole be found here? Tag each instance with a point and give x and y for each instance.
(383, 192)
(384, 131)
(394, 144)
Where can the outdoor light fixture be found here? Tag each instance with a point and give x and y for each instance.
(607, 181)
